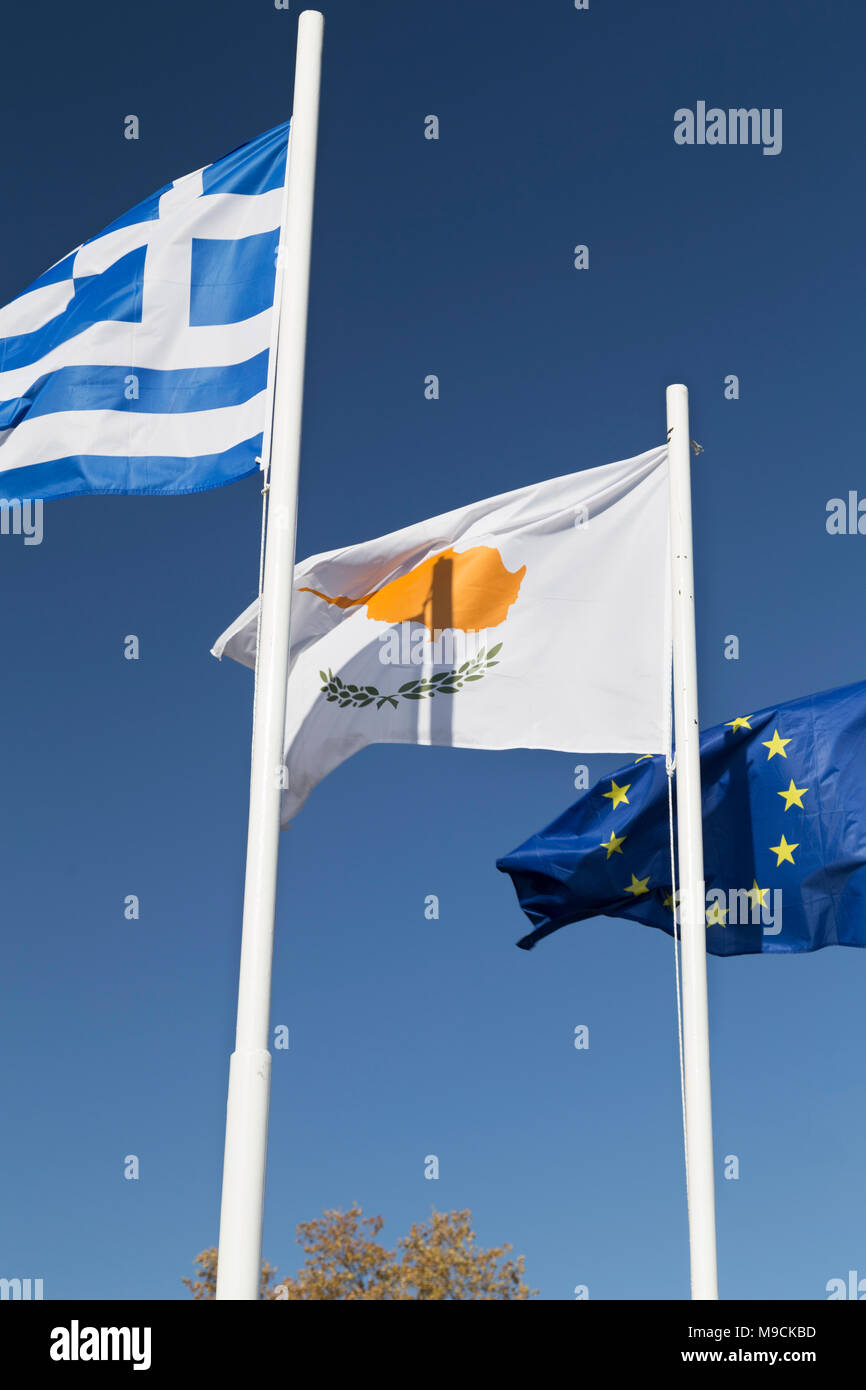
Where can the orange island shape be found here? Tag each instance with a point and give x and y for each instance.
(466, 590)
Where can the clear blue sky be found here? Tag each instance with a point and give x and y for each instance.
(411, 1037)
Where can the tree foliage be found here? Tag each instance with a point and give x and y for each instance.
(344, 1260)
(204, 1284)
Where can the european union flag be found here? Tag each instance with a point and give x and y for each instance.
(784, 816)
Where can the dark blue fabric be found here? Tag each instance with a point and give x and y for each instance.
(574, 870)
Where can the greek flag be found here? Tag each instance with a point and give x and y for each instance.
(139, 363)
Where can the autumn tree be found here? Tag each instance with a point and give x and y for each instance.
(204, 1284)
(343, 1260)
(439, 1259)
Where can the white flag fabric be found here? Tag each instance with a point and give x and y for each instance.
(537, 619)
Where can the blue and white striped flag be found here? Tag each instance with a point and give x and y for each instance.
(139, 363)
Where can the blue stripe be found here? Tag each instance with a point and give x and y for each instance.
(114, 295)
(61, 271)
(174, 392)
(257, 167)
(157, 477)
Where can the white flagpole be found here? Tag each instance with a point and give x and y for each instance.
(692, 913)
(243, 1192)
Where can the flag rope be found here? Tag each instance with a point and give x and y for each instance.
(670, 764)
(266, 468)
(268, 433)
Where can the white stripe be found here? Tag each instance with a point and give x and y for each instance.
(96, 256)
(130, 434)
(30, 311)
(125, 344)
(229, 215)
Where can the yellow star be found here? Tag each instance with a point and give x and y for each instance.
(618, 794)
(613, 845)
(793, 796)
(741, 722)
(638, 886)
(669, 901)
(756, 894)
(776, 745)
(783, 851)
(716, 916)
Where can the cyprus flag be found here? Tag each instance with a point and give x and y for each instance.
(538, 619)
